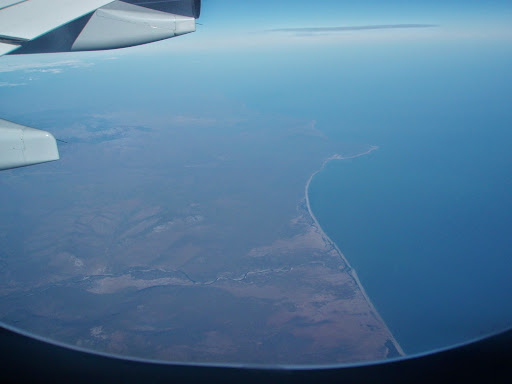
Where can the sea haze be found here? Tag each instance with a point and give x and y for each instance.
(426, 219)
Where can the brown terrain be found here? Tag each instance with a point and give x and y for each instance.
(203, 250)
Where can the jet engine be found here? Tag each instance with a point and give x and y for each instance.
(21, 146)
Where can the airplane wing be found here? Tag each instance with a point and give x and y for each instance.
(40, 26)
(43, 26)
(22, 21)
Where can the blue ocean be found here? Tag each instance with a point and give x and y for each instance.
(426, 220)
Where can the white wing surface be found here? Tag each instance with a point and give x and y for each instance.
(9, 3)
(6, 48)
(30, 19)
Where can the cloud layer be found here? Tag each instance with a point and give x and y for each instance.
(315, 30)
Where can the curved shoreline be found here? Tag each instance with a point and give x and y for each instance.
(352, 271)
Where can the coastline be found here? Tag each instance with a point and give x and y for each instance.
(352, 271)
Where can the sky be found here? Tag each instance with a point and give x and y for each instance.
(277, 28)
(459, 18)
(233, 26)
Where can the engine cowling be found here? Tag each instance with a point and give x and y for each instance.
(21, 146)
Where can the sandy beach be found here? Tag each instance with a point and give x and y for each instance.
(352, 271)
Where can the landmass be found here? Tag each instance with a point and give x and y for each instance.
(186, 238)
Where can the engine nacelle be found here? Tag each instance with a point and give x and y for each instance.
(21, 146)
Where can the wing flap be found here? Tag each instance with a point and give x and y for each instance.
(29, 19)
